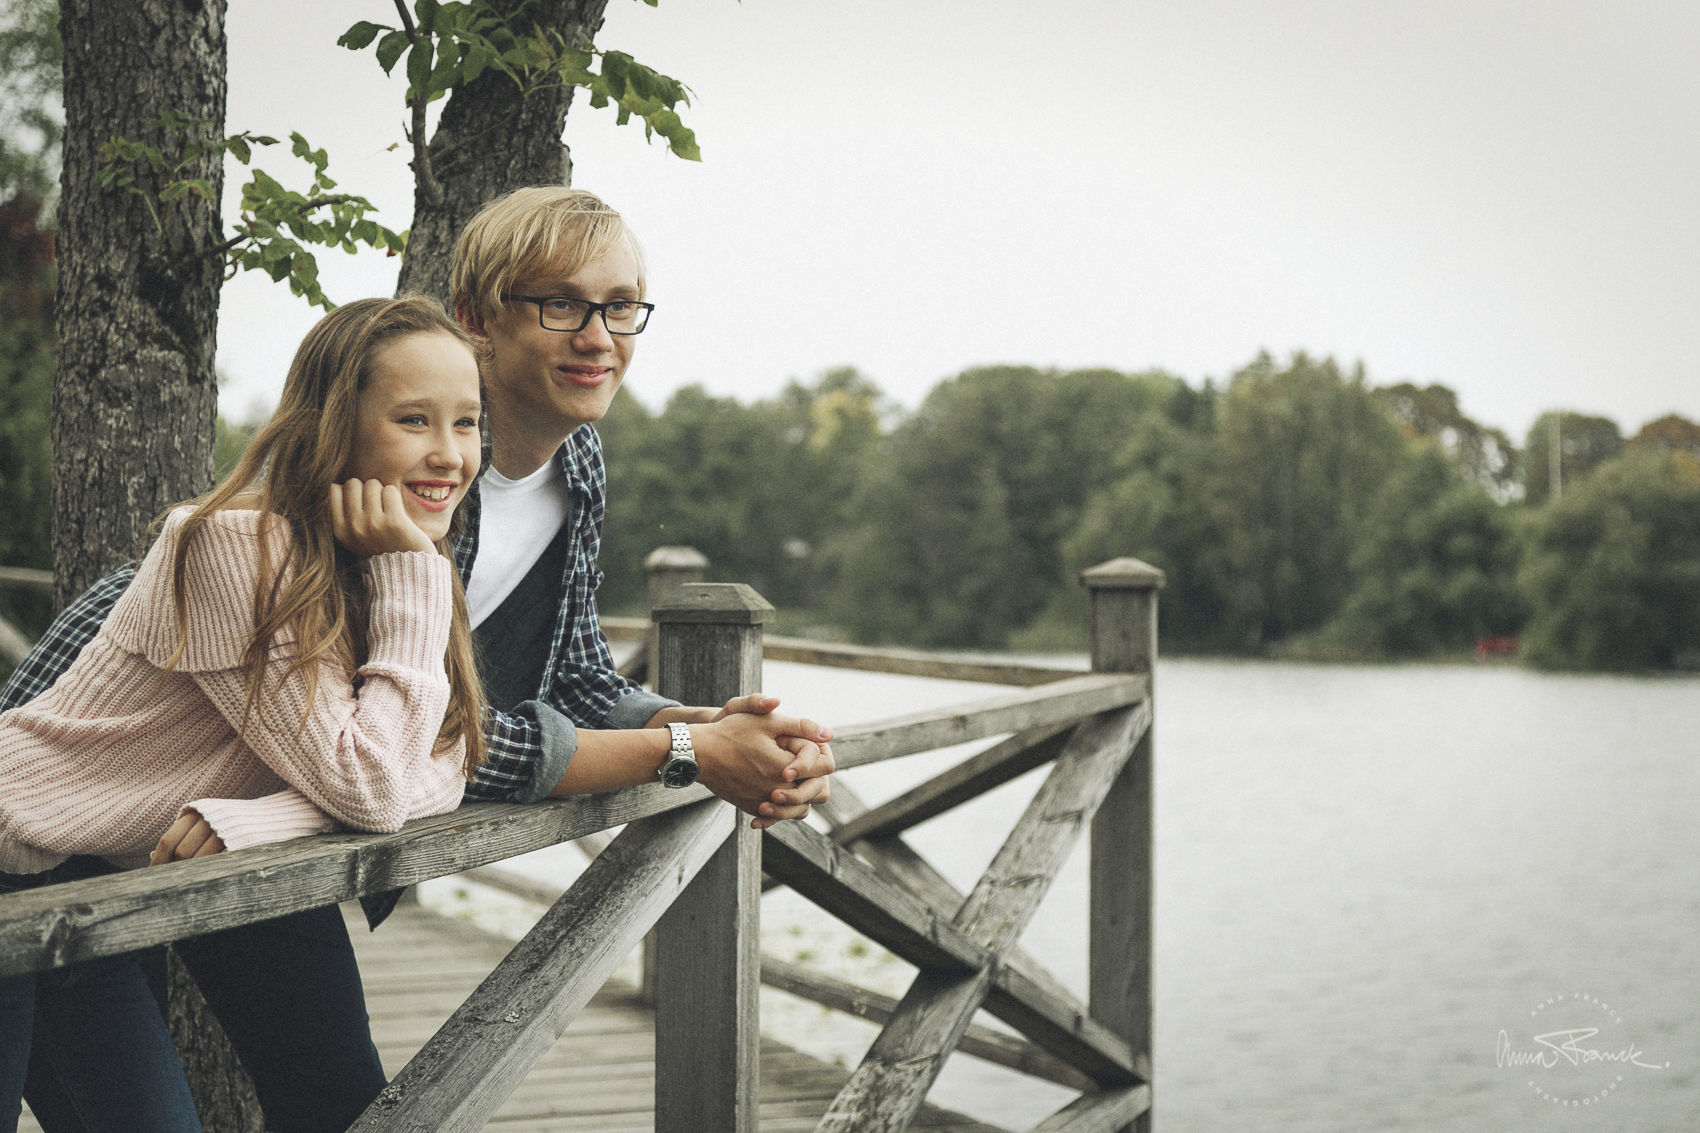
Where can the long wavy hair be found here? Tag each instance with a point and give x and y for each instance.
(317, 596)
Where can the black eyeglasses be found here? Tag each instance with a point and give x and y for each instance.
(558, 312)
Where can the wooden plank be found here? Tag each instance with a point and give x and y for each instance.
(103, 916)
(485, 1049)
(1009, 892)
(981, 1042)
(14, 646)
(886, 1090)
(851, 890)
(1058, 703)
(707, 970)
(1023, 993)
(625, 629)
(908, 662)
(600, 1075)
(969, 779)
(27, 578)
(1103, 1112)
(1121, 876)
(892, 1081)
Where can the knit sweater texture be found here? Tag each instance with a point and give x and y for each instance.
(105, 761)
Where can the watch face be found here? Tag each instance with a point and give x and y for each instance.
(679, 772)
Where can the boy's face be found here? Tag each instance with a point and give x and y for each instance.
(549, 382)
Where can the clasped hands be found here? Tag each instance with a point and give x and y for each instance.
(772, 767)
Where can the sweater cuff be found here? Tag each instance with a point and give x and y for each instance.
(412, 609)
(634, 709)
(242, 823)
(559, 740)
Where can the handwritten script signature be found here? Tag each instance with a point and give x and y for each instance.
(1566, 1045)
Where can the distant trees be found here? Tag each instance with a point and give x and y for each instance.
(1297, 510)
(1613, 568)
(1581, 444)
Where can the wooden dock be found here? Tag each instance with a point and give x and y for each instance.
(600, 1075)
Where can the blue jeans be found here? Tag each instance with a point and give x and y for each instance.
(98, 1035)
(288, 993)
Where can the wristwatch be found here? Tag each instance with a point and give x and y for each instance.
(680, 768)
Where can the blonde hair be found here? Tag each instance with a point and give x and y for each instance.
(541, 231)
(317, 596)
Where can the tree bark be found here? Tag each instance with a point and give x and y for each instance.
(134, 393)
(134, 396)
(488, 142)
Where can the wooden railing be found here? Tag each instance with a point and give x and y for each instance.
(689, 867)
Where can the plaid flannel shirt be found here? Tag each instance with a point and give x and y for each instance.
(530, 747)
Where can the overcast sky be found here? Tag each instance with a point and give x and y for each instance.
(1499, 195)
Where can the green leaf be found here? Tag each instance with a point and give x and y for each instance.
(447, 68)
(175, 191)
(425, 16)
(239, 150)
(478, 58)
(390, 49)
(419, 64)
(358, 36)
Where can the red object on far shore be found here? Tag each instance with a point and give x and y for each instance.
(1488, 648)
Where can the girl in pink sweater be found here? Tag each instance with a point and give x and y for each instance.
(292, 657)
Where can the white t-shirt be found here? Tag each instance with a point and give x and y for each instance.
(527, 512)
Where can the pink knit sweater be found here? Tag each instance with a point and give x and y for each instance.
(104, 761)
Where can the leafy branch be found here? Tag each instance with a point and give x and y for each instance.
(448, 44)
(275, 223)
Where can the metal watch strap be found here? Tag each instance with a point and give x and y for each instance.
(680, 767)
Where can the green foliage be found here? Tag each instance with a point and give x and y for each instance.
(1435, 565)
(230, 442)
(1299, 457)
(755, 488)
(274, 223)
(1613, 568)
(31, 126)
(1485, 454)
(1585, 443)
(1669, 433)
(447, 44)
(962, 516)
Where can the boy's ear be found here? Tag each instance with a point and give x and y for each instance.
(469, 322)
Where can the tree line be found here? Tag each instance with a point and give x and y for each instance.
(1297, 509)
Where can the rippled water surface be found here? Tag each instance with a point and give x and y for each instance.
(1365, 874)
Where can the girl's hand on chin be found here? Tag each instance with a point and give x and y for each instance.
(370, 518)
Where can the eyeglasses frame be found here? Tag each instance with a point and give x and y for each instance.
(591, 310)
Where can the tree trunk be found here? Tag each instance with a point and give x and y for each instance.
(134, 397)
(488, 142)
(134, 394)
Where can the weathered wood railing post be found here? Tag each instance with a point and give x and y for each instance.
(668, 568)
(1124, 640)
(708, 953)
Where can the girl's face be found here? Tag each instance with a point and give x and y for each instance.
(418, 426)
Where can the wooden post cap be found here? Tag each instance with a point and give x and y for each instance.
(713, 603)
(675, 558)
(1122, 574)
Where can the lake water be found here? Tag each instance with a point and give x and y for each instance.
(1364, 875)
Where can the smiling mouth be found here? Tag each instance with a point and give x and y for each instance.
(435, 495)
